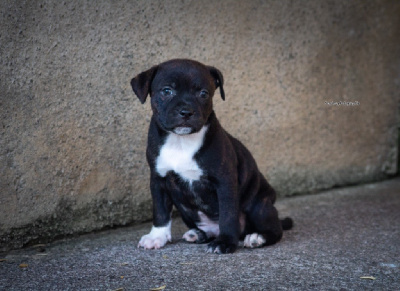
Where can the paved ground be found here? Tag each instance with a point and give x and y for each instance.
(339, 237)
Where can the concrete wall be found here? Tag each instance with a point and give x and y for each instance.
(72, 133)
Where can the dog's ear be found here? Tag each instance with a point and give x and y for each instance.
(219, 80)
(141, 84)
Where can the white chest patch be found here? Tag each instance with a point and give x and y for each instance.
(177, 155)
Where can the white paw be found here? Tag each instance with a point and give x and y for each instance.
(254, 240)
(157, 238)
(190, 236)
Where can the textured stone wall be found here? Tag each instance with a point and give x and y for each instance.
(72, 133)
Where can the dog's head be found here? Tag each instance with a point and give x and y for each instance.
(181, 93)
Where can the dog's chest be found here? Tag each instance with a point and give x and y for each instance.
(177, 155)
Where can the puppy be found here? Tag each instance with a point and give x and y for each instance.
(210, 177)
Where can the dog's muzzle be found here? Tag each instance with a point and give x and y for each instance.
(185, 114)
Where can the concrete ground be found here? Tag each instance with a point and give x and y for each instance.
(343, 239)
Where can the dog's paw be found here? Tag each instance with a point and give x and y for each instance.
(157, 238)
(221, 247)
(150, 242)
(195, 236)
(191, 235)
(254, 240)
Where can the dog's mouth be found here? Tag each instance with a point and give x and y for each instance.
(182, 130)
(181, 127)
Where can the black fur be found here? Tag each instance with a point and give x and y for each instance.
(231, 184)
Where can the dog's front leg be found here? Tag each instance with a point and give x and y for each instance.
(160, 233)
(228, 239)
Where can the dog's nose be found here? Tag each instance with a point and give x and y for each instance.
(186, 113)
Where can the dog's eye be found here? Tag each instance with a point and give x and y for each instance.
(203, 94)
(167, 91)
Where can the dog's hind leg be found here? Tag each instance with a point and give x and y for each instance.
(264, 226)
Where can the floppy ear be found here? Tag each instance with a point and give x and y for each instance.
(219, 80)
(141, 84)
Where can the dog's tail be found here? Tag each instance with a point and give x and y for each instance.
(287, 223)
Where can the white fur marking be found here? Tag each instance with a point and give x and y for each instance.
(210, 227)
(190, 236)
(177, 155)
(157, 238)
(182, 130)
(254, 240)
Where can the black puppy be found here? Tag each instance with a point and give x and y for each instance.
(210, 177)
